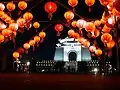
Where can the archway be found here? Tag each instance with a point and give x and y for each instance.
(72, 56)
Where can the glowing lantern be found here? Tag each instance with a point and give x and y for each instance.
(2, 6)
(111, 44)
(74, 23)
(96, 33)
(81, 40)
(90, 27)
(20, 51)
(97, 23)
(72, 3)
(76, 35)
(22, 5)
(98, 52)
(28, 16)
(50, 8)
(13, 27)
(81, 23)
(106, 37)
(89, 3)
(69, 15)
(1, 13)
(8, 19)
(21, 22)
(86, 43)
(42, 35)
(58, 28)
(36, 25)
(26, 46)
(4, 17)
(32, 43)
(16, 55)
(92, 49)
(111, 21)
(6, 32)
(37, 40)
(10, 6)
(106, 29)
(71, 33)
(1, 38)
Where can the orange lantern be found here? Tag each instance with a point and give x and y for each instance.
(81, 40)
(50, 8)
(90, 27)
(42, 35)
(13, 27)
(106, 29)
(16, 55)
(37, 40)
(97, 23)
(8, 19)
(1, 13)
(36, 25)
(74, 23)
(2, 6)
(69, 15)
(111, 44)
(6, 32)
(26, 46)
(21, 22)
(28, 16)
(58, 28)
(106, 37)
(89, 3)
(76, 35)
(20, 51)
(92, 49)
(98, 52)
(111, 21)
(32, 43)
(71, 33)
(96, 33)
(10, 6)
(86, 43)
(72, 3)
(1, 38)
(22, 5)
(81, 23)
(4, 17)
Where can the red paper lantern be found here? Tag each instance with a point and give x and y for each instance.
(89, 3)
(10, 6)
(90, 27)
(69, 15)
(28, 16)
(36, 25)
(20, 51)
(6, 32)
(74, 23)
(21, 22)
(111, 44)
(76, 35)
(72, 3)
(71, 33)
(98, 52)
(22, 5)
(106, 37)
(13, 27)
(42, 35)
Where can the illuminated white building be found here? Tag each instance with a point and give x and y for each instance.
(69, 49)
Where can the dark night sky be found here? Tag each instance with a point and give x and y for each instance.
(46, 49)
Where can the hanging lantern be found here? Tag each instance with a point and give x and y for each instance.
(22, 5)
(69, 15)
(92, 49)
(42, 36)
(36, 25)
(37, 40)
(74, 23)
(111, 44)
(111, 21)
(1, 13)
(6, 32)
(21, 22)
(10, 6)
(90, 27)
(50, 8)
(20, 51)
(96, 33)
(26, 46)
(1, 38)
(89, 3)
(86, 43)
(13, 27)
(73, 3)
(2, 6)
(28, 16)
(71, 33)
(106, 29)
(81, 23)
(58, 28)
(4, 17)
(32, 43)
(97, 23)
(81, 40)
(76, 36)
(106, 37)
(16, 55)
(98, 52)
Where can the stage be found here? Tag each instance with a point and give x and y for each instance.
(17, 81)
